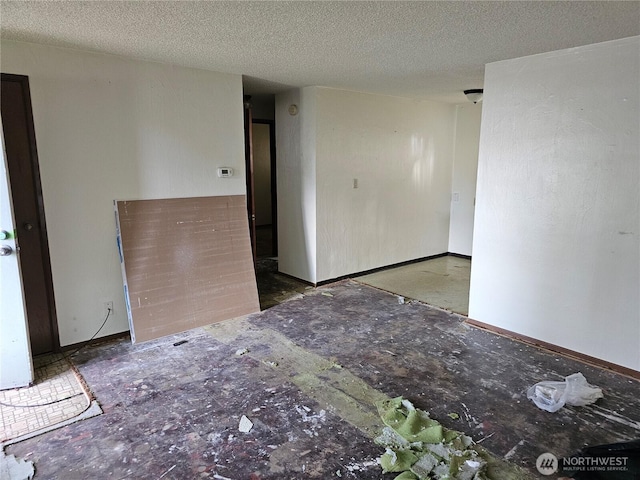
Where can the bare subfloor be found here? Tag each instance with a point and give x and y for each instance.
(306, 372)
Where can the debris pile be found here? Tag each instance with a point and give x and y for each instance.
(419, 448)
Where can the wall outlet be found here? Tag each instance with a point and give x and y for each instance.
(108, 307)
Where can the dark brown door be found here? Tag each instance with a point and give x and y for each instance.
(28, 209)
(248, 152)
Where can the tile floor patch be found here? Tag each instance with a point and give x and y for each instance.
(57, 395)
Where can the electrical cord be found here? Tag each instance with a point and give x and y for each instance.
(41, 404)
(65, 357)
(86, 344)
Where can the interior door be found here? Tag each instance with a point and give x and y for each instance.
(16, 368)
(28, 213)
(248, 152)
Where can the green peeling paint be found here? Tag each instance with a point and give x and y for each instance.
(414, 425)
(399, 461)
(429, 451)
(406, 476)
(418, 447)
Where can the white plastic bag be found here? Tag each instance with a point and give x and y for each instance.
(552, 396)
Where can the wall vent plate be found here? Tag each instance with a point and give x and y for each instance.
(224, 172)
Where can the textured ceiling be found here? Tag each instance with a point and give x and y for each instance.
(423, 49)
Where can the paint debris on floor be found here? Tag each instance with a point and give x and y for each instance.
(308, 375)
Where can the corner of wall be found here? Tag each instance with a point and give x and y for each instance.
(296, 177)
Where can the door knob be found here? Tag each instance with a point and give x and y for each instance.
(5, 250)
(28, 226)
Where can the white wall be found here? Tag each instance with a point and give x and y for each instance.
(296, 183)
(111, 128)
(463, 184)
(401, 152)
(556, 253)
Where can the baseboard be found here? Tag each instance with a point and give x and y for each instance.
(565, 352)
(459, 255)
(380, 269)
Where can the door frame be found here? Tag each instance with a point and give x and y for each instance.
(274, 186)
(37, 185)
(248, 157)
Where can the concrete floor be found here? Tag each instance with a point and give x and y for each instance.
(308, 375)
(442, 282)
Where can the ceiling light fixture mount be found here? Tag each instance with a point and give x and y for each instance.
(474, 95)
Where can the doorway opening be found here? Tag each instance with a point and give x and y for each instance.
(262, 201)
(260, 151)
(264, 176)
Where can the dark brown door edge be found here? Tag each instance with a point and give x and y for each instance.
(274, 185)
(28, 209)
(248, 152)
